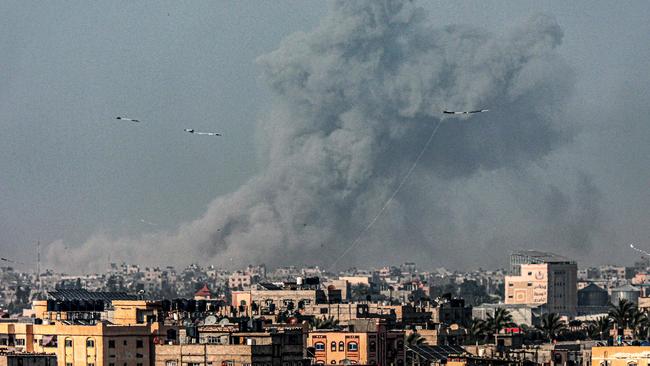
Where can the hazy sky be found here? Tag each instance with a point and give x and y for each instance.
(69, 171)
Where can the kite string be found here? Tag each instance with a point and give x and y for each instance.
(390, 199)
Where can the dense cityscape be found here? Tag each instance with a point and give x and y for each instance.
(543, 309)
(324, 183)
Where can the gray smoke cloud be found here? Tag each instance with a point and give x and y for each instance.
(354, 100)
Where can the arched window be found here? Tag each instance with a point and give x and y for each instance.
(353, 346)
(68, 342)
(90, 343)
(333, 346)
(341, 346)
(333, 362)
(319, 346)
(400, 345)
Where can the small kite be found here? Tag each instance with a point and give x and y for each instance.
(465, 112)
(191, 130)
(127, 119)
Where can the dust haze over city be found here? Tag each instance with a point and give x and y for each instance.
(323, 108)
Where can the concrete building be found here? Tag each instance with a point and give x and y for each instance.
(217, 345)
(27, 359)
(267, 299)
(379, 347)
(81, 335)
(627, 292)
(521, 313)
(620, 356)
(551, 284)
(592, 299)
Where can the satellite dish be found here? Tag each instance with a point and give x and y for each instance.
(187, 323)
(345, 361)
(224, 321)
(210, 320)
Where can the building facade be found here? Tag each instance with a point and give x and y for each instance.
(552, 285)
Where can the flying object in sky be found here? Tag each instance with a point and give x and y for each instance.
(465, 112)
(191, 130)
(10, 261)
(127, 119)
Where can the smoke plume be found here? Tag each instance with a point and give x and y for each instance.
(353, 102)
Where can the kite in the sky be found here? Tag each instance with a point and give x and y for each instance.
(467, 112)
(191, 130)
(127, 119)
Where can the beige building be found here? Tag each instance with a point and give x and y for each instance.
(126, 340)
(550, 284)
(620, 356)
(269, 301)
(223, 346)
(380, 347)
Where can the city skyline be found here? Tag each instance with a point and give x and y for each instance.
(557, 164)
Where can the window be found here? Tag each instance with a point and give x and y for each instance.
(333, 362)
(341, 346)
(333, 346)
(353, 346)
(139, 355)
(90, 364)
(68, 342)
(90, 343)
(323, 310)
(20, 342)
(319, 346)
(111, 364)
(68, 364)
(400, 345)
(139, 364)
(170, 363)
(111, 343)
(139, 343)
(373, 346)
(125, 342)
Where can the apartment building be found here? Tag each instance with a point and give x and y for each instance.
(543, 279)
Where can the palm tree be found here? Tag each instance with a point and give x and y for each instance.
(478, 329)
(638, 321)
(499, 320)
(414, 339)
(552, 325)
(324, 323)
(599, 328)
(621, 314)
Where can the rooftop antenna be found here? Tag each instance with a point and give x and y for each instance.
(38, 265)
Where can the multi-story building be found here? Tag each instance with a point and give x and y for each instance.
(26, 359)
(620, 356)
(239, 280)
(371, 347)
(221, 345)
(548, 280)
(89, 329)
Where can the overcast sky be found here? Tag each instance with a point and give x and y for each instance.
(69, 171)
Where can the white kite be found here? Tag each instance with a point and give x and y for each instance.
(127, 119)
(465, 112)
(191, 130)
